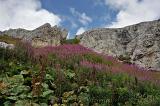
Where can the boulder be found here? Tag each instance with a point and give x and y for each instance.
(6, 45)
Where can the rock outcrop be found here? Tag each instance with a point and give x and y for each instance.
(6, 45)
(139, 43)
(0, 33)
(39, 37)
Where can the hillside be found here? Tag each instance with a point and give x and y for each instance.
(138, 44)
(72, 75)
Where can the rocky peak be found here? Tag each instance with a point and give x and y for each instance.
(0, 33)
(45, 26)
(41, 36)
(140, 42)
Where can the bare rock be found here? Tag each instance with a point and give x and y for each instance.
(6, 45)
(41, 36)
(140, 42)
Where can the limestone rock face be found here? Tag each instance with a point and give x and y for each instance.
(140, 42)
(41, 36)
(6, 45)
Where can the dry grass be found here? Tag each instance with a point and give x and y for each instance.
(9, 40)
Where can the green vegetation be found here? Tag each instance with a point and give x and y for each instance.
(71, 41)
(9, 40)
(71, 75)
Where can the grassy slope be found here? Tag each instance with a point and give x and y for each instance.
(8, 39)
(72, 75)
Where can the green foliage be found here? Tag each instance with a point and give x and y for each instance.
(65, 82)
(149, 101)
(69, 74)
(71, 41)
(97, 59)
(84, 98)
(6, 54)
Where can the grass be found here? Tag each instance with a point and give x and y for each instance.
(71, 74)
(8, 39)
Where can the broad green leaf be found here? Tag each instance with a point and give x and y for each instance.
(14, 80)
(49, 77)
(25, 72)
(45, 86)
(69, 74)
(7, 103)
(46, 93)
(25, 103)
(12, 97)
(43, 104)
(18, 89)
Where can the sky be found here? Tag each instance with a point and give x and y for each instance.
(76, 16)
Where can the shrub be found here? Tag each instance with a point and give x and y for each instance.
(72, 74)
(70, 41)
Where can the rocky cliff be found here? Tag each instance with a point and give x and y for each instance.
(41, 36)
(139, 44)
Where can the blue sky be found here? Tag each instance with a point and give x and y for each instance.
(99, 13)
(76, 16)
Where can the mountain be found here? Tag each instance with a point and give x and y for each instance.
(139, 43)
(41, 36)
(71, 74)
(136, 44)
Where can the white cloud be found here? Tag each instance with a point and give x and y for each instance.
(98, 2)
(82, 17)
(69, 19)
(69, 35)
(80, 31)
(26, 14)
(134, 11)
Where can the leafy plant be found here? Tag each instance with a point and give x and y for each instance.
(71, 74)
